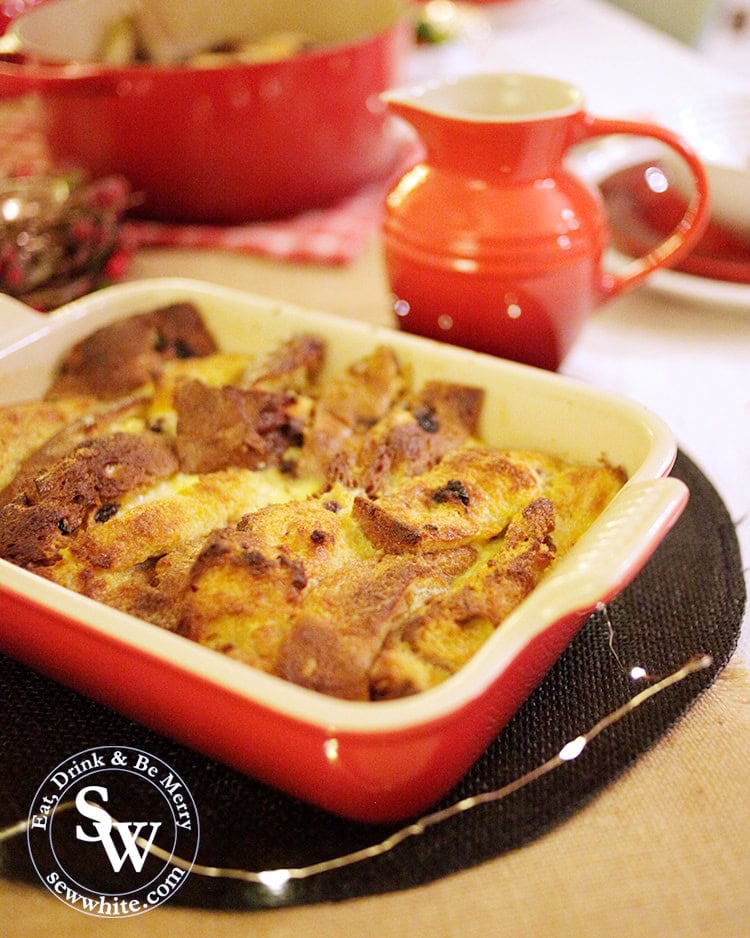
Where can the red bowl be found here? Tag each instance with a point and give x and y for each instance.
(224, 144)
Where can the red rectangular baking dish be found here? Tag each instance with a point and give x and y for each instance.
(374, 762)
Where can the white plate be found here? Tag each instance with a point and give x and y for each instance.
(718, 128)
(594, 162)
(716, 293)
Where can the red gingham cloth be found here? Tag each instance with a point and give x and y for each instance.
(335, 235)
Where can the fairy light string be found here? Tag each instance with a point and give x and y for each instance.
(276, 879)
(636, 673)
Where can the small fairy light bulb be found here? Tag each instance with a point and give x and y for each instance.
(275, 881)
(11, 209)
(638, 673)
(572, 750)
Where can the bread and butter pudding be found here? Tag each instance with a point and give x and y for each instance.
(352, 534)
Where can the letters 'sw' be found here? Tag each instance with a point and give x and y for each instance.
(130, 832)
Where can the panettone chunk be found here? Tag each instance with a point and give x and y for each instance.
(222, 427)
(91, 479)
(125, 355)
(440, 637)
(471, 494)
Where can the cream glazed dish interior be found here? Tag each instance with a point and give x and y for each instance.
(370, 761)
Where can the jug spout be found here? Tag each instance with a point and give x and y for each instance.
(505, 125)
(501, 96)
(404, 102)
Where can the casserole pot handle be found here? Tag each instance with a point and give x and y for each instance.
(14, 80)
(20, 75)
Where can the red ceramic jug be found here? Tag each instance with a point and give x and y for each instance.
(490, 242)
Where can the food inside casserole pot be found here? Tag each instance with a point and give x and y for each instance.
(353, 535)
(124, 43)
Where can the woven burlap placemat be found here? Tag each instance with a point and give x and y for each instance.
(687, 602)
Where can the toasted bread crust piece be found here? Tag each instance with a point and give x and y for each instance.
(292, 366)
(349, 404)
(26, 426)
(441, 637)
(91, 478)
(472, 493)
(96, 423)
(370, 429)
(335, 638)
(414, 438)
(218, 428)
(117, 359)
(240, 598)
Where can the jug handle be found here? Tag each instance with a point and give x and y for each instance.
(688, 230)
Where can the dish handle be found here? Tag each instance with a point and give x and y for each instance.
(17, 322)
(610, 555)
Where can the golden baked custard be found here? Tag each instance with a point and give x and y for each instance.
(353, 535)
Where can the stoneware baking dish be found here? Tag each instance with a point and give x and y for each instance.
(376, 762)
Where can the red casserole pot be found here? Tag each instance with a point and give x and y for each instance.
(224, 144)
